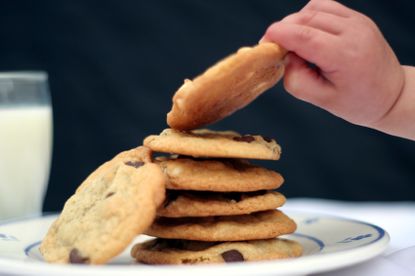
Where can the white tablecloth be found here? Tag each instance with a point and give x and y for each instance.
(397, 218)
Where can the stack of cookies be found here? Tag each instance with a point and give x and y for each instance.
(218, 207)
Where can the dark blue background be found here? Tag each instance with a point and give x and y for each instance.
(114, 65)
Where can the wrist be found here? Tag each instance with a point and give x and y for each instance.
(398, 119)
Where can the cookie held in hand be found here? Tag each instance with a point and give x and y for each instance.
(227, 86)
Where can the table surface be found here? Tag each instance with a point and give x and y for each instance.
(397, 218)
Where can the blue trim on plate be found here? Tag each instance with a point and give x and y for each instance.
(30, 246)
(380, 231)
(320, 243)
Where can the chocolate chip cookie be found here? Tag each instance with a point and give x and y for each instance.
(163, 251)
(204, 204)
(227, 86)
(255, 226)
(221, 175)
(114, 204)
(209, 143)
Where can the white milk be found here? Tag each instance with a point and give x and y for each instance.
(25, 153)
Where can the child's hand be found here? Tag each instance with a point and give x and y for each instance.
(358, 76)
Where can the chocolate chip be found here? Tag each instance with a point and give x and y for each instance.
(245, 138)
(76, 258)
(135, 164)
(109, 194)
(232, 256)
(267, 139)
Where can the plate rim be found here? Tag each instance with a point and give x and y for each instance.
(314, 263)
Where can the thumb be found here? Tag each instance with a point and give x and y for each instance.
(307, 83)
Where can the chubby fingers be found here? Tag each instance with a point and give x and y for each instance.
(307, 83)
(314, 45)
(313, 35)
(314, 32)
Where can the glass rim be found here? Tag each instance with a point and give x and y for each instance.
(24, 75)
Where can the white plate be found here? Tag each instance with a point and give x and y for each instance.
(329, 243)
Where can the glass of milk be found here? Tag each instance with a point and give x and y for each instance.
(25, 142)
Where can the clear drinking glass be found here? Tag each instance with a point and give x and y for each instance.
(25, 142)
